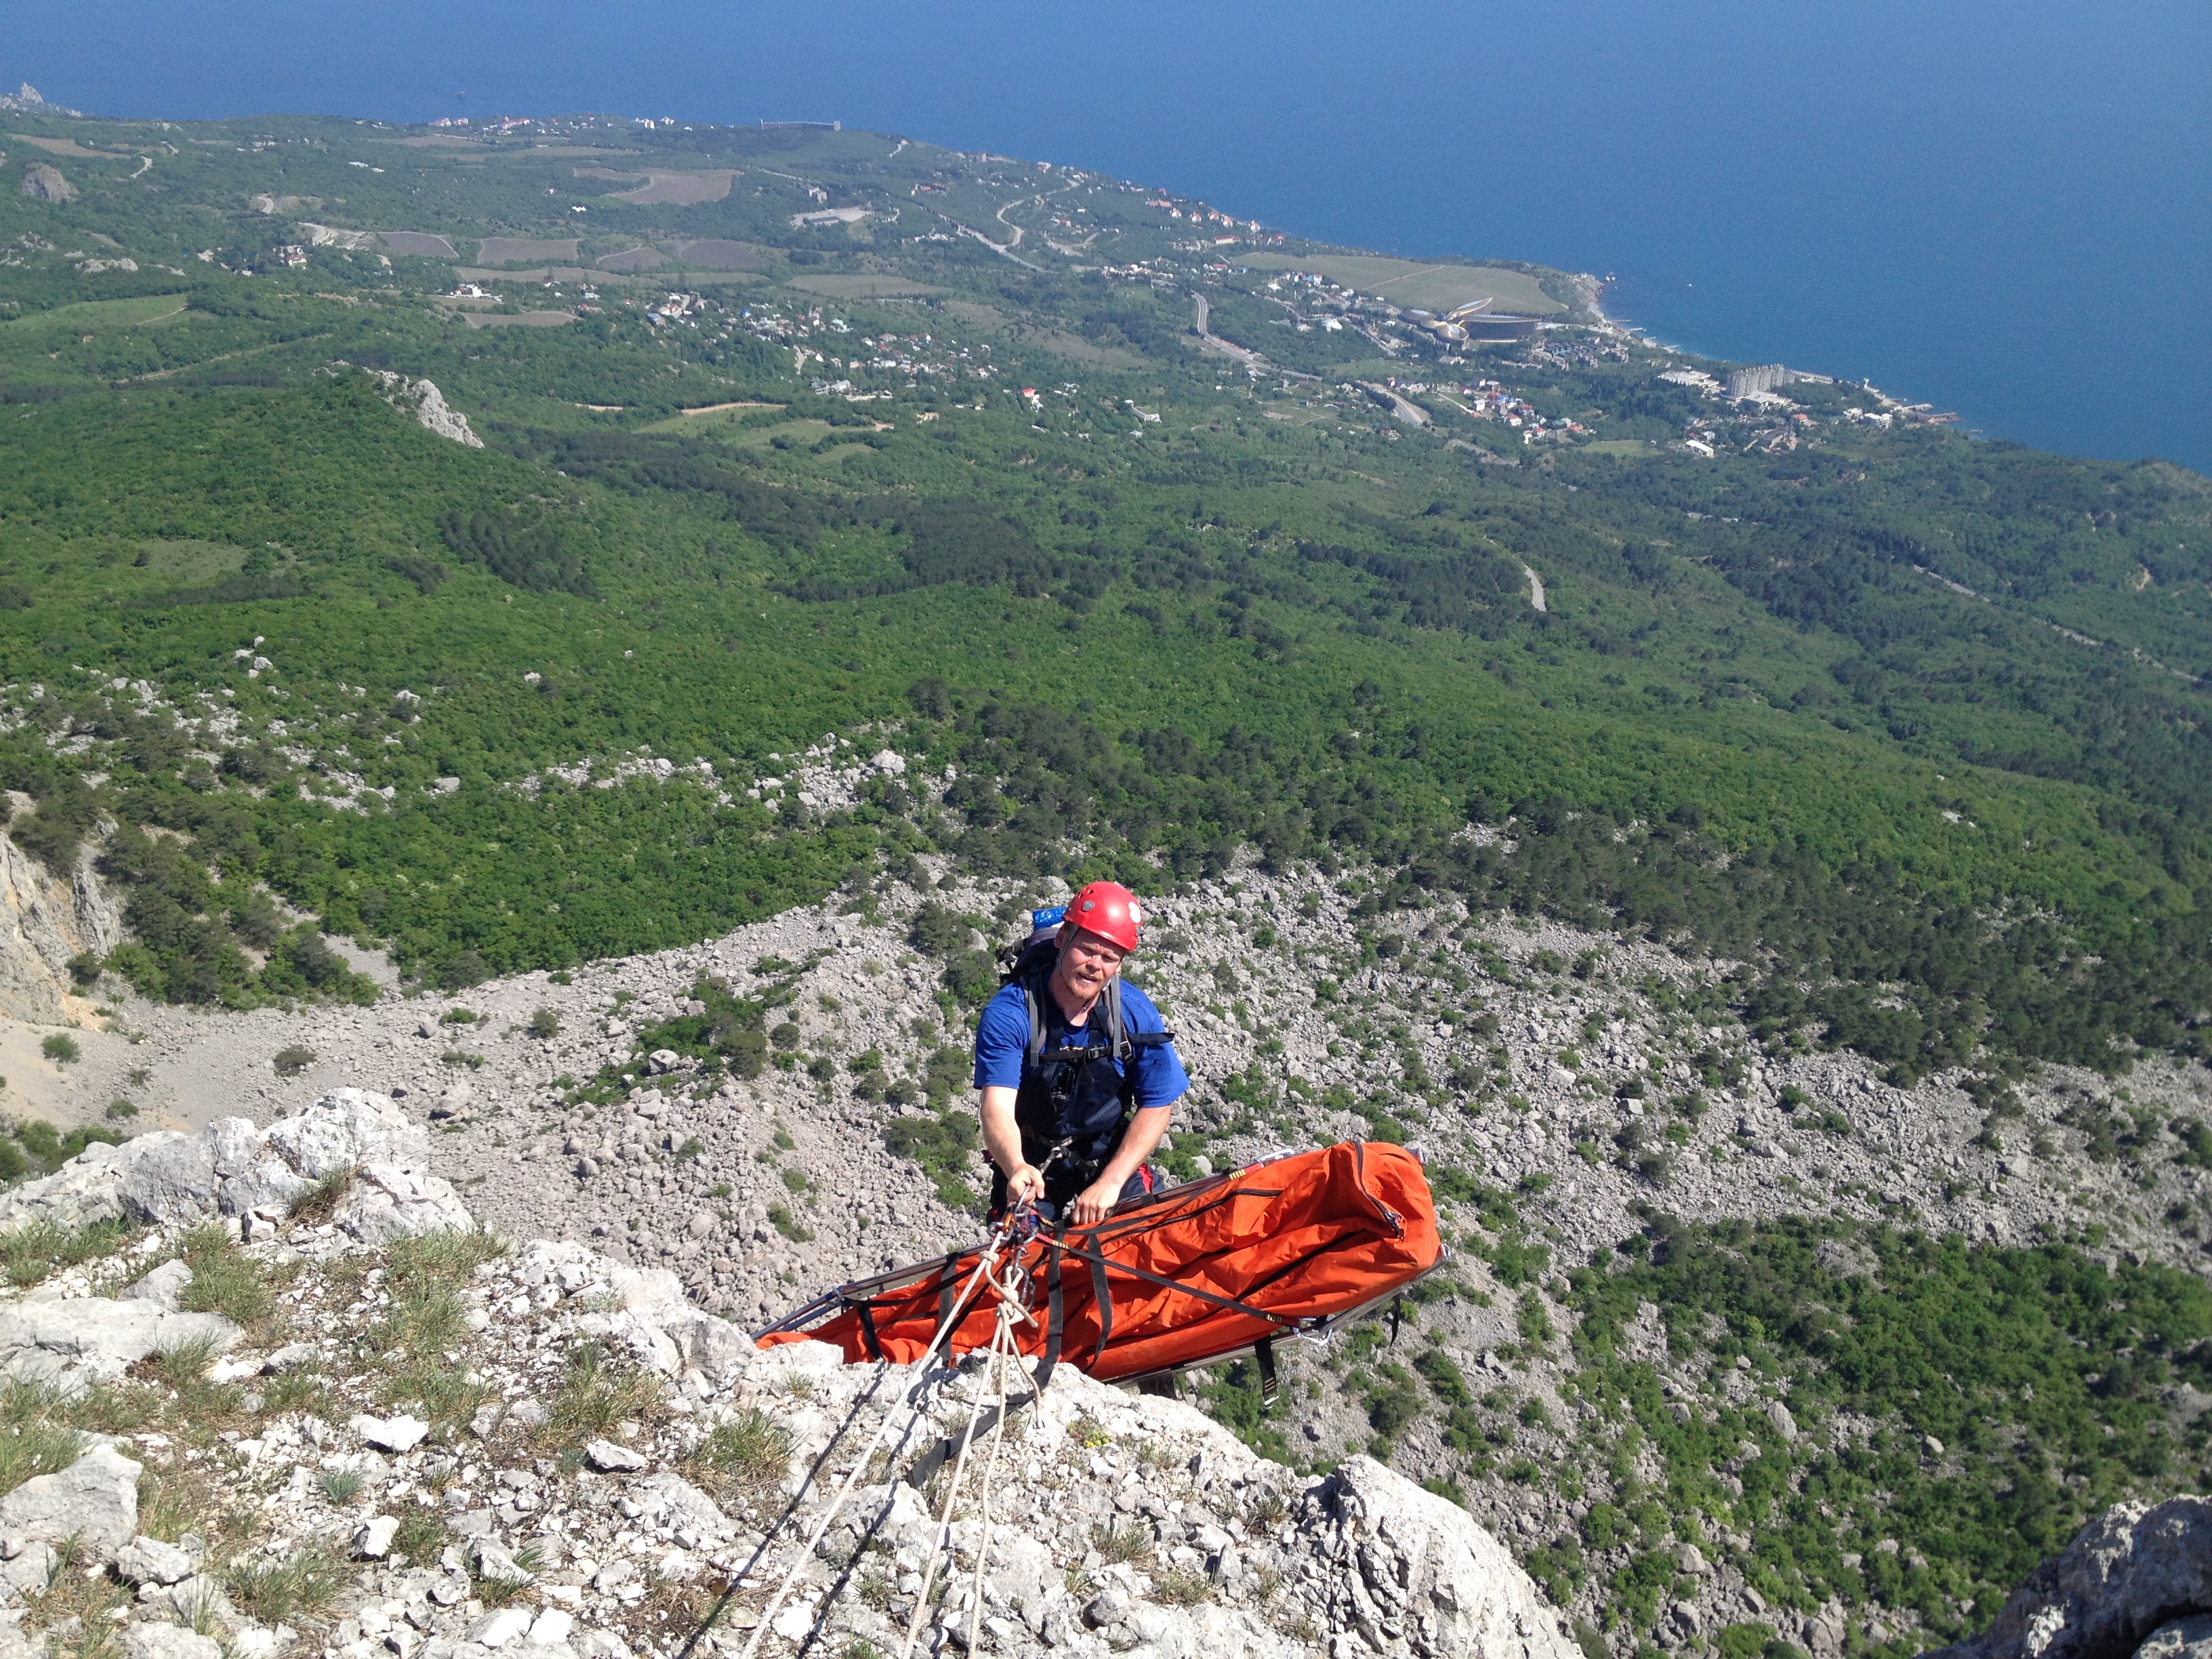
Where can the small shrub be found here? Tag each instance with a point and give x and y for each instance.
(689, 1150)
(780, 1218)
(60, 1048)
(461, 1057)
(119, 1110)
(85, 968)
(293, 1060)
(545, 1024)
(458, 1016)
(341, 1486)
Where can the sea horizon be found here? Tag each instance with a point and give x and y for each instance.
(2006, 212)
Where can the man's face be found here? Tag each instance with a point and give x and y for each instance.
(1087, 963)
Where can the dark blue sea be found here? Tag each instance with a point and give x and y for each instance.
(2005, 209)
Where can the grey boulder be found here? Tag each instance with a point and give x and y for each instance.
(163, 1288)
(95, 1501)
(1420, 1578)
(156, 1641)
(149, 1561)
(346, 1129)
(72, 1342)
(2127, 1574)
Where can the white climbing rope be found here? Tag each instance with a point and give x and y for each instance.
(944, 1544)
(1004, 1348)
(945, 1326)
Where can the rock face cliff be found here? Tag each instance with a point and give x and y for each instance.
(446, 1447)
(2137, 1579)
(422, 399)
(44, 922)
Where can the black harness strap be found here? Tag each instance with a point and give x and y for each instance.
(1263, 1354)
(868, 1312)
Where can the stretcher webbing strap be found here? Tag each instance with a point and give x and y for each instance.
(1263, 1352)
(1099, 1264)
(947, 1285)
(1055, 1324)
(1100, 1296)
(868, 1313)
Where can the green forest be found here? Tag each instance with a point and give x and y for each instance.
(1910, 726)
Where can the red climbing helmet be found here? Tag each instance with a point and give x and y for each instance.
(1109, 910)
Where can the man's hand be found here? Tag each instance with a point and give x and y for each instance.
(1024, 1186)
(1094, 1203)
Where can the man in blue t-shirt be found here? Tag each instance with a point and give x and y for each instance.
(1077, 1072)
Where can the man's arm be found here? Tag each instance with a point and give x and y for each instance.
(1002, 1139)
(1096, 1200)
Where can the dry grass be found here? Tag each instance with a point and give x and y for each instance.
(595, 1396)
(275, 1592)
(320, 1203)
(1121, 1544)
(741, 1457)
(1181, 1587)
(225, 1279)
(35, 1436)
(35, 1249)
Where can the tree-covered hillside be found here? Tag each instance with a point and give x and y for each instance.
(1912, 727)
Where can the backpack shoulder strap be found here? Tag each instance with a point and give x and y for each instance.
(1117, 1035)
(1034, 1003)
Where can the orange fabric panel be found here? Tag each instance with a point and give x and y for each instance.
(1305, 1237)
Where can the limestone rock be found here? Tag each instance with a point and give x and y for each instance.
(149, 1561)
(91, 1339)
(394, 1434)
(45, 921)
(422, 399)
(345, 1129)
(95, 1501)
(42, 183)
(166, 1178)
(162, 1288)
(386, 1202)
(2185, 1638)
(609, 1458)
(2127, 1574)
(1421, 1577)
(156, 1641)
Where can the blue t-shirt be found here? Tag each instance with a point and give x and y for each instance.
(1002, 1041)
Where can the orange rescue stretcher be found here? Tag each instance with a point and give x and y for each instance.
(1189, 1276)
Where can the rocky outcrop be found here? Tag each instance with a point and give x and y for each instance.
(44, 183)
(44, 922)
(68, 1343)
(1416, 1575)
(232, 1169)
(422, 399)
(1123, 1522)
(93, 1501)
(2135, 1576)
